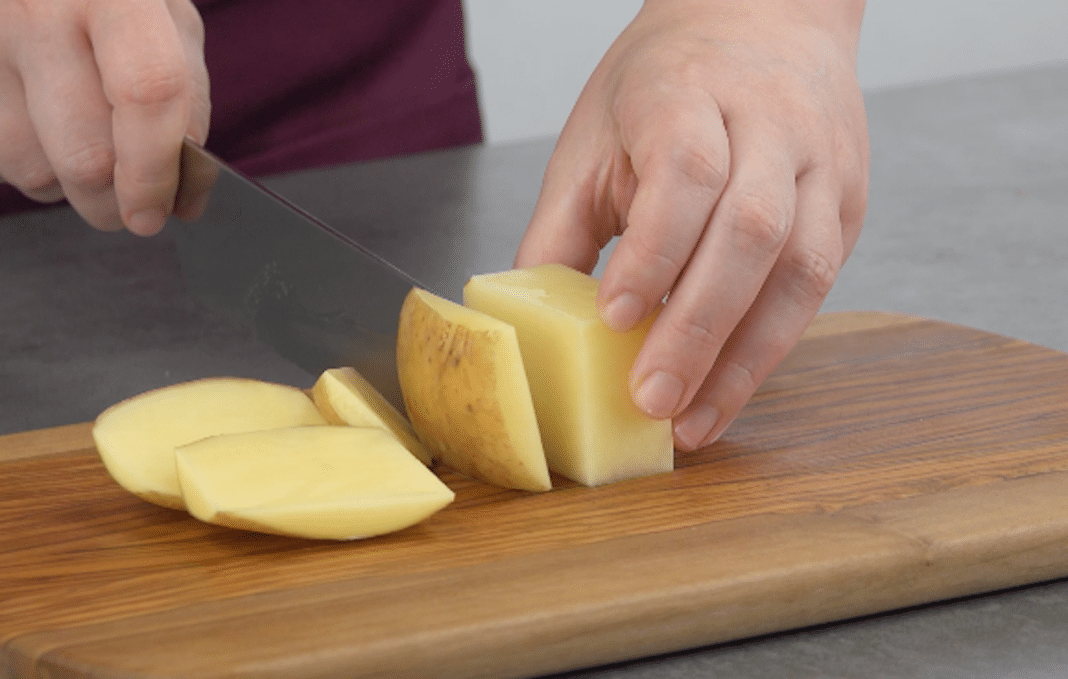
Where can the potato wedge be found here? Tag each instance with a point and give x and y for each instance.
(466, 392)
(136, 438)
(343, 396)
(325, 482)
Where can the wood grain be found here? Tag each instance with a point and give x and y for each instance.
(889, 461)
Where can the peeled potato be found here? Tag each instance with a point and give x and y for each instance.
(136, 438)
(326, 482)
(343, 396)
(466, 392)
(578, 371)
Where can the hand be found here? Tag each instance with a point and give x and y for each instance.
(726, 144)
(95, 99)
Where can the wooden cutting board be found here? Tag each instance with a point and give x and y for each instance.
(889, 461)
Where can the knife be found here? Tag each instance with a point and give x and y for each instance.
(314, 295)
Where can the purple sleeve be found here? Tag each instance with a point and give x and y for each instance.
(298, 84)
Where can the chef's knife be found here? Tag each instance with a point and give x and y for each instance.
(320, 299)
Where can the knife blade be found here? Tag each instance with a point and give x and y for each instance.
(314, 295)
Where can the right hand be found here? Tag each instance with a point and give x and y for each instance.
(96, 97)
(726, 144)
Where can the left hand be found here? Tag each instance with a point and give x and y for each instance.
(726, 144)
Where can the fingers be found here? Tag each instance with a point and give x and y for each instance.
(191, 31)
(148, 83)
(749, 226)
(668, 215)
(23, 163)
(95, 100)
(557, 231)
(573, 218)
(71, 119)
(795, 288)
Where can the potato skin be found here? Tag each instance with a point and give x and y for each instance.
(458, 394)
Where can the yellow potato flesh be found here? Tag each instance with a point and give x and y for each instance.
(325, 482)
(137, 437)
(578, 372)
(466, 392)
(343, 396)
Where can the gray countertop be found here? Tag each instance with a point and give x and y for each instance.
(966, 223)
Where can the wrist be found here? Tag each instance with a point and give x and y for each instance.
(840, 18)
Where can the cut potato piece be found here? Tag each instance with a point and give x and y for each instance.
(343, 396)
(578, 372)
(137, 437)
(327, 482)
(466, 392)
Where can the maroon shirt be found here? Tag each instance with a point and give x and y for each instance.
(297, 84)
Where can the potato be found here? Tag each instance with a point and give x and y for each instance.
(466, 392)
(325, 482)
(136, 438)
(343, 396)
(578, 372)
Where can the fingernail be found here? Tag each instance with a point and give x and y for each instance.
(623, 312)
(146, 222)
(52, 193)
(694, 427)
(659, 394)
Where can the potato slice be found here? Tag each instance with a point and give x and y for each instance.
(326, 482)
(466, 392)
(136, 438)
(343, 396)
(578, 371)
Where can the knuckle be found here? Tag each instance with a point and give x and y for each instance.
(655, 256)
(681, 133)
(91, 166)
(744, 378)
(153, 84)
(701, 164)
(811, 273)
(761, 222)
(698, 338)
